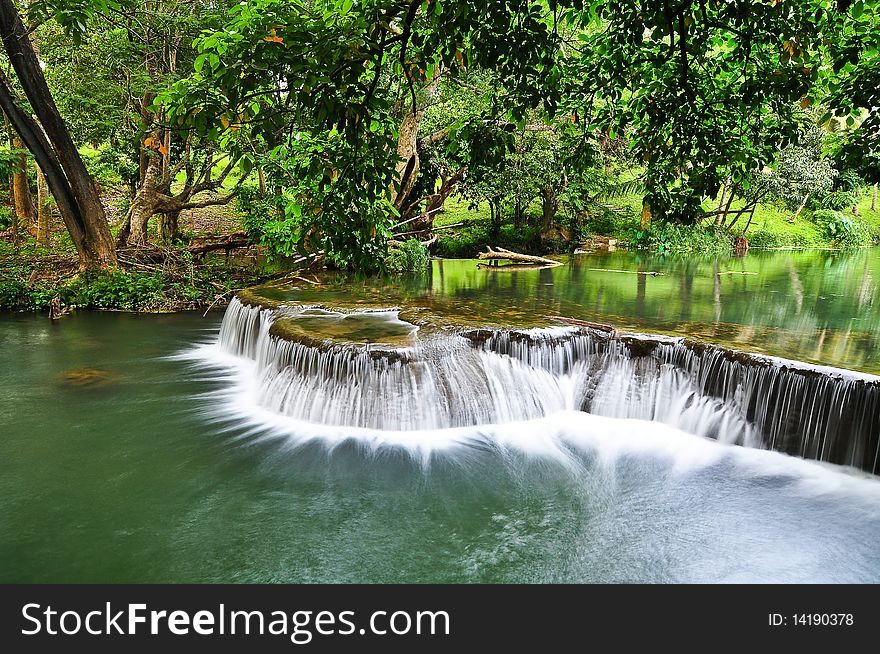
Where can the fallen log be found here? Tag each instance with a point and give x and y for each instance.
(501, 253)
(652, 273)
(602, 327)
(229, 242)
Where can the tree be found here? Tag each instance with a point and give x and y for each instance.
(853, 90)
(148, 43)
(707, 90)
(799, 173)
(314, 85)
(52, 146)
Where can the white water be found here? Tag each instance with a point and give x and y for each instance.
(586, 497)
(455, 390)
(447, 382)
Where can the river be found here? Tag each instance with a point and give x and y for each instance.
(126, 455)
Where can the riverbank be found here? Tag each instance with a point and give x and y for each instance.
(163, 280)
(166, 279)
(465, 231)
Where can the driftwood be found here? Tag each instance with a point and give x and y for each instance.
(653, 273)
(602, 327)
(735, 272)
(55, 309)
(501, 253)
(229, 242)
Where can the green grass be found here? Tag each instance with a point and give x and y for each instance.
(467, 240)
(870, 217)
(771, 228)
(620, 218)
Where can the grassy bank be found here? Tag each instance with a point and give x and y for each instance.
(620, 219)
(30, 277)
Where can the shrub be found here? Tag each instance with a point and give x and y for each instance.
(110, 167)
(848, 181)
(409, 256)
(838, 200)
(6, 215)
(682, 239)
(11, 293)
(844, 230)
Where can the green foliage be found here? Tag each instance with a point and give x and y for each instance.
(852, 88)
(800, 171)
(7, 215)
(838, 200)
(316, 86)
(844, 230)
(409, 256)
(682, 239)
(476, 233)
(110, 167)
(107, 290)
(708, 91)
(180, 284)
(771, 228)
(849, 180)
(562, 103)
(97, 290)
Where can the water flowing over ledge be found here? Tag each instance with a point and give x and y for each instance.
(388, 377)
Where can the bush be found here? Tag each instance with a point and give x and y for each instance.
(848, 181)
(409, 256)
(838, 200)
(114, 290)
(6, 215)
(682, 239)
(844, 230)
(110, 167)
(106, 290)
(12, 292)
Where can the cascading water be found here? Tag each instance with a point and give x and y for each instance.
(453, 379)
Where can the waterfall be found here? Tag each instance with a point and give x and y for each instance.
(473, 377)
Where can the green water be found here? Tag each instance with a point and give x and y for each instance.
(122, 473)
(816, 306)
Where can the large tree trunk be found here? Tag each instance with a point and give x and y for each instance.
(144, 205)
(169, 226)
(407, 169)
(44, 210)
(25, 213)
(518, 212)
(549, 207)
(53, 147)
(646, 215)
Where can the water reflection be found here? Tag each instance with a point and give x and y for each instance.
(817, 306)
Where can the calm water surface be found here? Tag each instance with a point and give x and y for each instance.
(816, 306)
(114, 467)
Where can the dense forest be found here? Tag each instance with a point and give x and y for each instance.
(160, 154)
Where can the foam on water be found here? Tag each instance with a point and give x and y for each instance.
(449, 384)
(552, 394)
